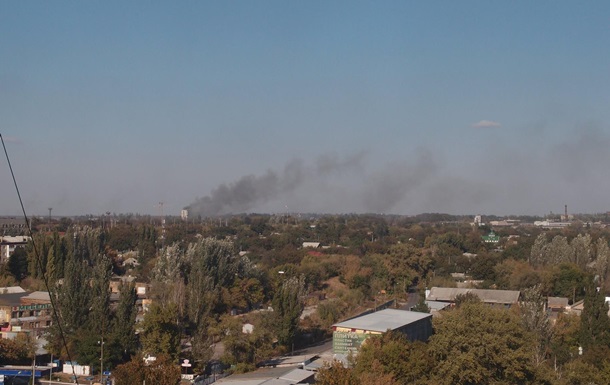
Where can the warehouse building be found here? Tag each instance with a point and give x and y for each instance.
(349, 335)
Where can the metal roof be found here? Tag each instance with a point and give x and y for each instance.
(487, 296)
(268, 376)
(297, 375)
(436, 305)
(383, 320)
(39, 295)
(11, 290)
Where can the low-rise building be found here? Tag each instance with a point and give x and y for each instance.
(504, 298)
(8, 245)
(350, 334)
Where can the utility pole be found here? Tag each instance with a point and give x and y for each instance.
(51, 371)
(162, 224)
(102, 361)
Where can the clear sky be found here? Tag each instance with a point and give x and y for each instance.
(465, 107)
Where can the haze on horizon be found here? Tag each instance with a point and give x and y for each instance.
(331, 107)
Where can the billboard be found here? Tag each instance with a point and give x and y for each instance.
(346, 342)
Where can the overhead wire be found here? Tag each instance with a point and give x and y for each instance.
(39, 263)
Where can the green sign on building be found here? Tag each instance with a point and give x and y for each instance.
(345, 342)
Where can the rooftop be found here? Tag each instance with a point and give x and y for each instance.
(486, 295)
(383, 320)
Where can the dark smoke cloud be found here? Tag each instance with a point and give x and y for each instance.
(253, 191)
(535, 176)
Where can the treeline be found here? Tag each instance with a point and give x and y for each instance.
(478, 344)
(199, 277)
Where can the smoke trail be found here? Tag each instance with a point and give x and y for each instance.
(251, 191)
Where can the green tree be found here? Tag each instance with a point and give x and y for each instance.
(564, 342)
(538, 251)
(594, 321)
(567, 280)
(287, 307)
(478, 344)
(160, 331)
(336, 374)
(581, 250)
(74, 299)
(393, 356)
(18, 264)
(602, 257)
(18, 351)
(122, 341)
(536, 320)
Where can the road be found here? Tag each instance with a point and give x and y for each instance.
(412, 299)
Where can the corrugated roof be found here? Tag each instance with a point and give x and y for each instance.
(383, 320)
(297, 375)
(486, 295)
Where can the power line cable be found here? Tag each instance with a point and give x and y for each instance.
(39, 263)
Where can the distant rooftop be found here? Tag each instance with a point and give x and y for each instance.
(11, 290)
(487, 296)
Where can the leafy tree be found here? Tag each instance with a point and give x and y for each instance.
(483, 266)
(602, 257)
(392, 357)
(99, 318)
(581, 250)
(336, 374)
(564, 341)
(538, 251)
(466, 298)
(169, 277)
(536, 320)
(160, 332)
(147, 242)
(288, 306)
(514, 275)
(568, 281)
(558, 251)
(478, 344)
(51, 264)
(162, 371)
(594, 321)
(131, 372)
(580, 372)
(74, 298)
(17, 351)
(330, 312)
(18, 264)
(122, 237)
(122, 341)
(214, 264)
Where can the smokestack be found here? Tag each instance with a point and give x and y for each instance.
(566, 212)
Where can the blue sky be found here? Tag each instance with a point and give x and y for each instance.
(393, 107)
